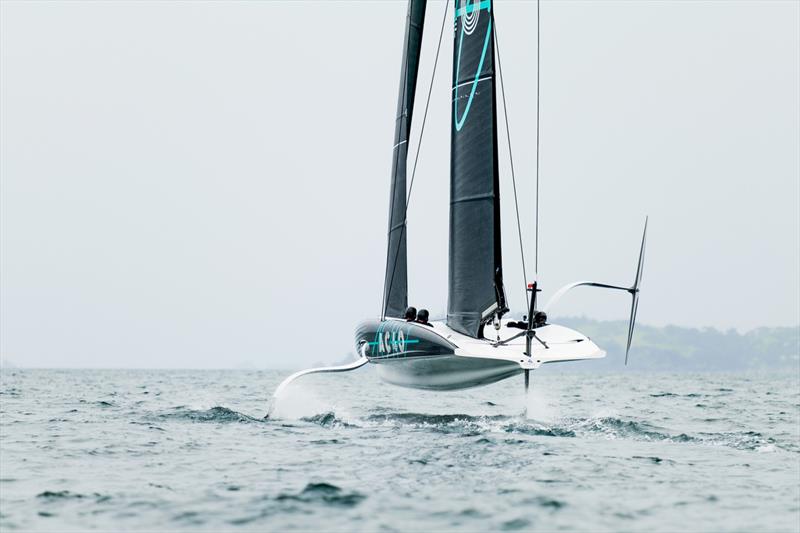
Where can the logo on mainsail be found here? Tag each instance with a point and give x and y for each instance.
(471, 12)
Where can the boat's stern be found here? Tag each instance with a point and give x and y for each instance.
(550, 344)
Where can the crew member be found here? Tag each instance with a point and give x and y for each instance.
(422, 317)
(411, 314)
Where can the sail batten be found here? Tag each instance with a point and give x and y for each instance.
(395, 296)
(475, 292)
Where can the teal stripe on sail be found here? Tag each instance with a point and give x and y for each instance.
(460, 121)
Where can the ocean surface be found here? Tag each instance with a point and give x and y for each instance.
(191, 450)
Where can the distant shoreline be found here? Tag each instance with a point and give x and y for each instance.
(667, 349)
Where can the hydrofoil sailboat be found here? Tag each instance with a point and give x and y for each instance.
(476, 344)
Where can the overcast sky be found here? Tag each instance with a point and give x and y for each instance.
(192, 184)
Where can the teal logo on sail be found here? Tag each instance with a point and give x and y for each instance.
(470, 17)
(469, 12)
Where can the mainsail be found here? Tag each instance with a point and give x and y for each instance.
(396, 278)
(476, 286)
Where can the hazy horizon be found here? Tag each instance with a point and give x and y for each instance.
(182, 183)
(759, 350)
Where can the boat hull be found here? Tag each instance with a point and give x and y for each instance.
(445, 372)
(435, 357)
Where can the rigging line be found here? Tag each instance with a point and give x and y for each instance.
(538, 62)
(419, 144)
(511, 159)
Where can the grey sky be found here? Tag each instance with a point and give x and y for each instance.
(206, 184)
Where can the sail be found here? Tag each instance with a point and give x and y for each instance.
(475, 271)
(396, 280)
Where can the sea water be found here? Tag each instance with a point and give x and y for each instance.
(191, 450)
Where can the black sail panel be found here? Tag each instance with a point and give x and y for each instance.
(396, 280)
(475, 275)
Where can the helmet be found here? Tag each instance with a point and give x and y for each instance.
(411, 313)
(422, 315)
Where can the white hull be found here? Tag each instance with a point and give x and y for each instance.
(435, 357)
(465, 362)
(445, 372)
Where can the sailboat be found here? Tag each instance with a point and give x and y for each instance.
(476, 344)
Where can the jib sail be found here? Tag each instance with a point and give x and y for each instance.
(396, 277)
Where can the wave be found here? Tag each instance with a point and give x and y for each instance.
(744, 440)
(62, 495)
(216, 414)
(324, 493)
(612, 427)
(313, 494)
(460, 424)
(420, 419)
(464, 425)
(595, 427)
